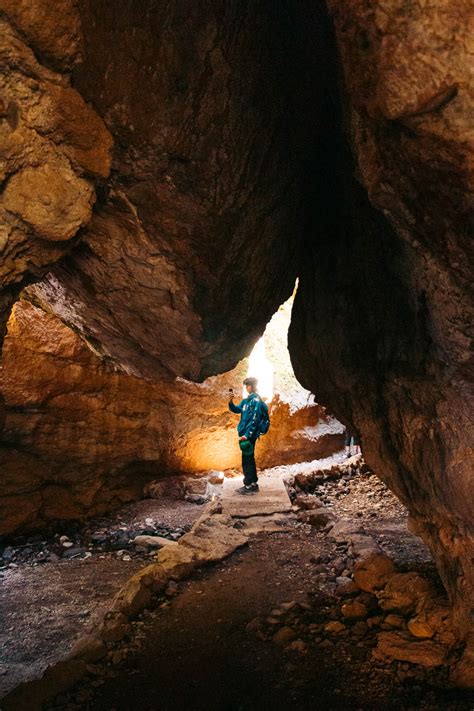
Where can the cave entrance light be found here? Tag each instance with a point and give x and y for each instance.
(260, 367)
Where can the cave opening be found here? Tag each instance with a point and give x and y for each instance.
(168, 170)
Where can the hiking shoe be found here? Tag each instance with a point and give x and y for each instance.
(246, 490)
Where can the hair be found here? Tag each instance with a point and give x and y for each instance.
(251, 381)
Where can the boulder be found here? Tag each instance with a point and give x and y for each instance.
(403, 591)
(371, 573)
(397, 645)
(354, 611)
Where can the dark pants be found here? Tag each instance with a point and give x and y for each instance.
(249, 467)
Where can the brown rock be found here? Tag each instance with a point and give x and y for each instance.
(319, 518)
(419, 628)
(370, 573)
(354, 610)
(334, 627)
(403, 591)
(89, 648)
(398, 645)
(114, 627)
(284, 636)
(298, 646)
(395, 621)
(102, 435)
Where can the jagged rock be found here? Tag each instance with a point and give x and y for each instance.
(406, 385)
(403, 591)
(398, 645)
(371, 573)
(354, 610)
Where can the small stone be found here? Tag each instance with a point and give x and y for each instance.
(345, 586)
(152, 541)
(418, 628)
(171, 589)
(67, 544)
(375, 621)
(8, 554)
(395, 621)
(284, 636)
(359, 629)
(63, 540)
(354, 610)
(334, 627)
(326, 643)
(397, 645)
(298, 646)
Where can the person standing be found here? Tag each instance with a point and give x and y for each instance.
(252, 411)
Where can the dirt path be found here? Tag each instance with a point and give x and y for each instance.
(202, 652)
(45, 606)
(212, 643)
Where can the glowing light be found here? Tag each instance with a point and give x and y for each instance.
(261, 368)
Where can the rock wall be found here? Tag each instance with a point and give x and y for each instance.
(237, 129)
(393, 282)
(81, 438)
(54, 148)
(204, 185)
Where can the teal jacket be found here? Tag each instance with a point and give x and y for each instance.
(250, 413)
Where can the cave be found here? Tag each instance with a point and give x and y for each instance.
(170, 170)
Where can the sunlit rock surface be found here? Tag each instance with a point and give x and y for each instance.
(81, 438)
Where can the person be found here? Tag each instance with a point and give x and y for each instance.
(352, 440)
(250, 411)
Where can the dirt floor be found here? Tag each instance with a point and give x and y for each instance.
(209, 649)
(46, 601)
(210, 643)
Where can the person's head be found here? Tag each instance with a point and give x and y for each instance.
(251, 385)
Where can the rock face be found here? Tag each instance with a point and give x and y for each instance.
(54, 146)
(231, 141)
(205, 185)
(394, 282)
(81, 438)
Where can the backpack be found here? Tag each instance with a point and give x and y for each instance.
(264, 423)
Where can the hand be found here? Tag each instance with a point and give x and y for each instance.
(242, 439)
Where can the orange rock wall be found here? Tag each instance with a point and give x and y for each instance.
(81, 438)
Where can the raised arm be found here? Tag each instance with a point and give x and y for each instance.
(235, 408)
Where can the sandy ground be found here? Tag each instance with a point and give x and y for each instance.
(44, 608)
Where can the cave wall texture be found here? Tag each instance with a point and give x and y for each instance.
(382, 321)
(248, 143)
(81, 437)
